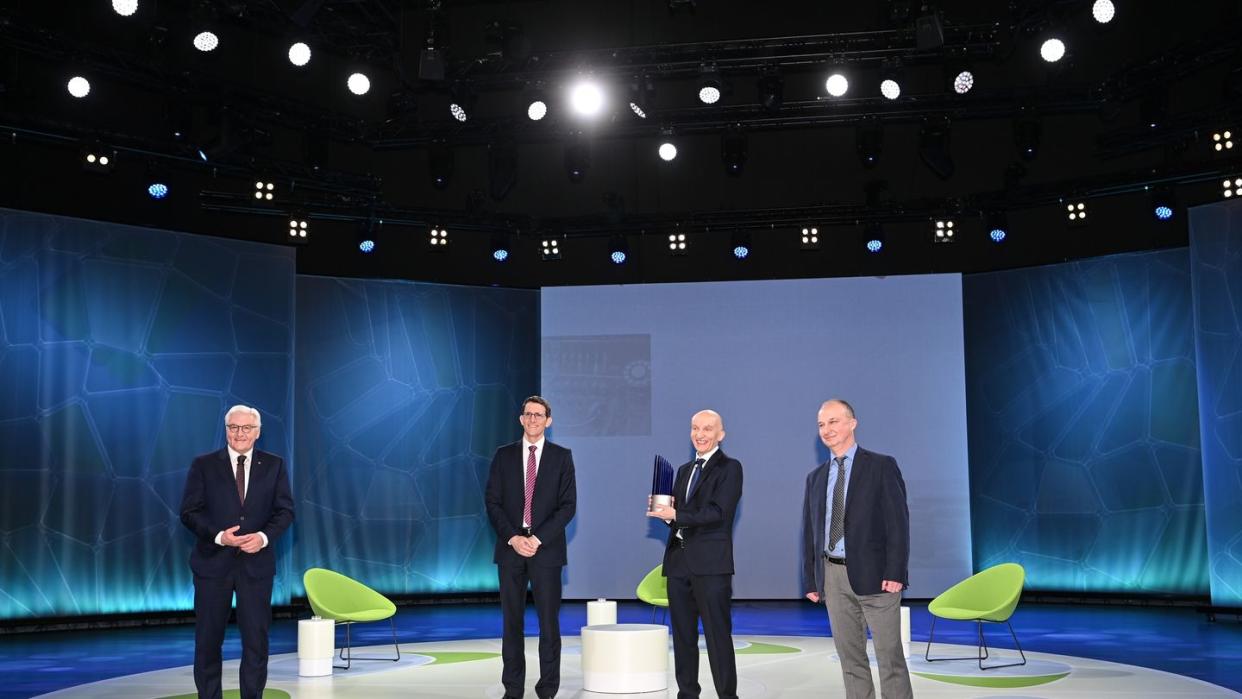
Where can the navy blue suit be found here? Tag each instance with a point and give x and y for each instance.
(552, 507)
(209, 506)
(699, 568)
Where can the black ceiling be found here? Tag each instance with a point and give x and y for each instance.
(1131, 109)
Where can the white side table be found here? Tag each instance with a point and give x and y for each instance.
(625, 658)
(905, 629)
(316, 646)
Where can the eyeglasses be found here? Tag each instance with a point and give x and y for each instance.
(244, 429)
(534, 416)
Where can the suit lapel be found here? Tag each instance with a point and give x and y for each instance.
(856, 476)
(708, 468)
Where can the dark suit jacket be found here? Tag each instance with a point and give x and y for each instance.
(877, 525)
(210, 505)
(552, 506)
(706, 519)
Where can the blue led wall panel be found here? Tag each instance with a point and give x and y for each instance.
(120, 350)
(1084, 425)
(403, 392)
(1216, 267)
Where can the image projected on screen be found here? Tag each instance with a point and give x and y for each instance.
(603, 383)
(627, 366)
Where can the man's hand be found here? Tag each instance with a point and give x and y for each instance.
(666, 513)
(891, 586)
(253, 543)
(813, 596)
(229, 538)
(526, 546)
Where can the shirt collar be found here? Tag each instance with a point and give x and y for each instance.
(233, 454)
(708, 456)
(849, 455)
(526, 445)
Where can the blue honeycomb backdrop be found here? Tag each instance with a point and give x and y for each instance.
(1216, 264)
(1083, 423)
(120, 350)
(404, 391)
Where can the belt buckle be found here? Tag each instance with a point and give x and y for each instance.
(526, 531)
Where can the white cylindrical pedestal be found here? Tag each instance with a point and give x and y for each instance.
(316, 645)
(905, 629)
(625, 658)
(601, 611)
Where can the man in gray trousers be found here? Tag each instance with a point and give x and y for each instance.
(856, 552)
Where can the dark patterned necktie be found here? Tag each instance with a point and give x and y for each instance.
(694, 478)
(836, 527)
(241, 478)
(530, 488)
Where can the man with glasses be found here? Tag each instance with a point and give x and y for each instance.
(237, 503)
(531, 497)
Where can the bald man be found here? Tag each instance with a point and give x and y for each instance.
(698, 560)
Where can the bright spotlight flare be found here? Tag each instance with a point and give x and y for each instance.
(299, 54)
(157, 190)
(890, 88)
(837, 85)
(668, 151)
(359, 84)
(1052, 50)
(1103, 11)
(586, 98)
(537, 110)
(125, 8)
(79, 86)
(963, 82)
(206, 41)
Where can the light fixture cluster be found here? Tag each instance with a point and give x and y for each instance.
(1076, 211)
(299, 228)
(944, 231)
(438, 238)
(1222, 141)
(264, 191)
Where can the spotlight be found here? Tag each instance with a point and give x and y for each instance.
(1052, 50)
(1103, 11)
(711, 87)
(500, 247)
(157, 190)
(890, 88)
(733, 150)
(264, 191)
(438, 238)
(206, 41)
(98, 160)
(890, 83)
(869, 141)
(837, 85)
(440, 164)
(640, 96)
(461, 102)
(299, 54)
(1222, 141)
(366, 245)
(577, 160)
(771, 90)
(667, 151)
(997, 225)
(299, 228)
(809, 239)
(586, 98)
(944, 231)
(873, 238)
(741, 245)
(1232, 187)
(1163, 203)
(677, 244)
(359, 84)
(963, 81)
(550, 249)
(1076, 212)
(536, 105)
(618, 250)
(125, 8)
(79, 86)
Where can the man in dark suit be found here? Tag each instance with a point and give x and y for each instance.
(531, 497)
(237, 503)
(856, 552)
(698, 559)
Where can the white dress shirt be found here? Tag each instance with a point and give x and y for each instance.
(233, 474)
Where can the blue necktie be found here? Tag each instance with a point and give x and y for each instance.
(694, 478)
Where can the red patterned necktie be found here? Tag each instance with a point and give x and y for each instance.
(241, 478)
(530, 487)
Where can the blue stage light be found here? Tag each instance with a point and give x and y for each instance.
(741, 252)
(157, 190)
(997, 235)
(1164, 213)
(366, 245)
(500, 254)
(618, 257)
(874, 245)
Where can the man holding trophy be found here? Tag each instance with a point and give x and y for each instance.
(698, 559)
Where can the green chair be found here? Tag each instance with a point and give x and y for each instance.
(654, 591)
(347, 601)
(990, 595)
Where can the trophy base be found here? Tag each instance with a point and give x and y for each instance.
(660, 501)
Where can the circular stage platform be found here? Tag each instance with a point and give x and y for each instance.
(768, 666)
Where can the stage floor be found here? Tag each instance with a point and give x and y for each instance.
(1152, 651)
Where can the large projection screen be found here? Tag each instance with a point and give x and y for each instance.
(625, 367)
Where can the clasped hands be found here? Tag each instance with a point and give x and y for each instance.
(250, 543)
(526, 546)
(664, 512)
